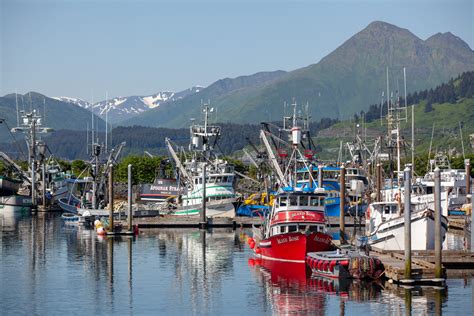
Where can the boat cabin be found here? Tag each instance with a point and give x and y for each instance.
(298, 212)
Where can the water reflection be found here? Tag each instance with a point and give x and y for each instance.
(176, 271)
(415, 300)
(290, 288)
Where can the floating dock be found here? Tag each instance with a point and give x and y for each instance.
(455, 264)
(170, 221)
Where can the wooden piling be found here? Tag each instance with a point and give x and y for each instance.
(43, 177)
(472, 224)
(203, 222)
(438, 241)
(378, 182)
(111, 197)
(320, 176)
(130, 215)
(468, 177)
(342, 202)
(407, 218)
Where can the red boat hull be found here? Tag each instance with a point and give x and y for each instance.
(292, 247)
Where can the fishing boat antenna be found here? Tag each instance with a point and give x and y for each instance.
(429, 151)
(92, 126)
(31, 103)
(106, 120)
(87, 138)
(462, 141)
(17, 114)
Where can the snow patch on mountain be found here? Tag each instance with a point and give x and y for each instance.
(122, 108)
(82, 103)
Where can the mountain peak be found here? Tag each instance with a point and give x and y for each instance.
(447, 39)
(381, 28)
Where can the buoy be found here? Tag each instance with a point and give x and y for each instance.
(331, 265)
(258, 250)
(325, 265)
(249, 240)
(252, 244)
(320, 265)
(344, 263)
(251, 262)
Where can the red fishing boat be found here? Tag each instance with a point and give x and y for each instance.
(295, 226)
(296, 223)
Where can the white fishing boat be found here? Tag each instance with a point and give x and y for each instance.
(15, 204)
(385, 227)
(218, 184)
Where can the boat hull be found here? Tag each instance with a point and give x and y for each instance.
(390, 235)
(292, 247)
(16, 202)
(222, 208)
(69, 205)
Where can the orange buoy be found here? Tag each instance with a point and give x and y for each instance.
(252, 244)
(258, 250)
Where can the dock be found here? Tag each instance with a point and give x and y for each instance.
(455, 263)
(170, 221)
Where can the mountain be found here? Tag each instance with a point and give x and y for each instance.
(56, 114)
(344, 82)
(122, 108)
(189, 106)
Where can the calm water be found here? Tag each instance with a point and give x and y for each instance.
(50, 268)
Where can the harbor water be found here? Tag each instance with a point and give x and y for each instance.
(49, 267)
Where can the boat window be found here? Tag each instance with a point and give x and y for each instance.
(299, 176)
(196, 181)
(224, 179)
(313, 228)
(218, 179)
(231, 178)
(304, 200)
(200, 180)
(292, 228)
(283, 201)
(293, 200)
(282, 229)
(212, 180)
(429, 190)
(314, 201)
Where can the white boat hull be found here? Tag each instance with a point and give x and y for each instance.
(221, 208)
(390, 235)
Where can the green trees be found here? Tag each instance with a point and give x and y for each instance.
(143, 170)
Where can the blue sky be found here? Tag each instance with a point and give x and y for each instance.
(85, 48)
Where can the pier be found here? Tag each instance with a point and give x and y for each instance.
(170, 221)
(455, 264)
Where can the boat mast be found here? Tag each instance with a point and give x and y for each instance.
(106, 120)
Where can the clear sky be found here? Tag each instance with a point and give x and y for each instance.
(85, 48)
